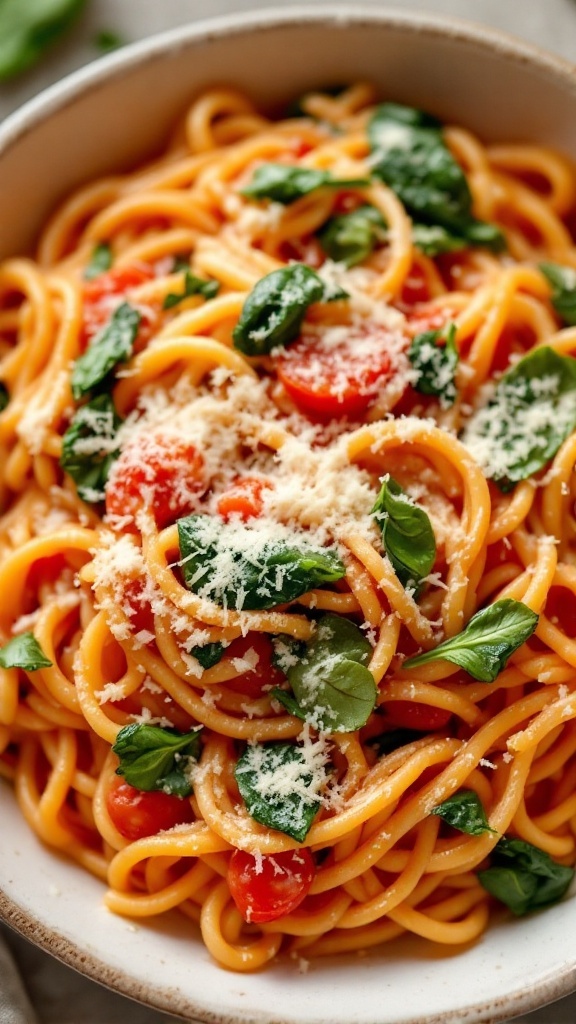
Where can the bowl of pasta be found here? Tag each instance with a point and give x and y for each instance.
(287, 535)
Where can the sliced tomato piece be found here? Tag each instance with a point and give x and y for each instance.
(244, 498)
(265, 888)
(257, 651)
(137, 814)
(409, 714)
(158, 471)
(104, 293)
(337, 372)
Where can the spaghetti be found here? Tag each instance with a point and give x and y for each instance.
(287, 549)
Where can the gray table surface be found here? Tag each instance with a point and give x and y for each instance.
(51, 993)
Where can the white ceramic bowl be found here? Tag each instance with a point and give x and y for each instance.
(105, 118)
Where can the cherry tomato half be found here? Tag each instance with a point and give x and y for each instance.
(243, 498)
(258, 649)
(137, 814)
(161, 472)
(266, 888)
(336, 373)
(408, 714)
(103, 294)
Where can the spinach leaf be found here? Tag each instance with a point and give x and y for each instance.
(350, 237)
(23, 651)
(524, 877)
(112, 345)
(280, 787)
(285, 183)
(208, 655)
(236, 567)
(192, 286)
(436, 363)
(563, 282)
(288, 702)
(155, 758)
(412, 158)
(275, 308)
(532, 411)
(332, 687)
(465, 812)
(485, 645)
(29, 27)
(4, 396)
(100, 261)
(407, 533)
(434, 239)
(89, 447)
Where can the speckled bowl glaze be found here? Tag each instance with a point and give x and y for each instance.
(105, 118)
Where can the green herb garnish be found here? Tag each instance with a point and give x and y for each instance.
(155, 758)
(465, 812)
(488, 641)
(285, 183)
(407, 533)
(524, 877)
(434, 356)
(89, 447)
(350, 237)
(192, 286)
(28, 28)
(280, 788)
(100, 261)
(112, 345)
(23, 651)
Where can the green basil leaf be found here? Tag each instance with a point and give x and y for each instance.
(488, 641)
(285, 183)
(465, 812)
(23, 651)
(289, 702)
(563, 282)
(29, 27)
(279, 787)
(524, 877)
(208, 655)
(112, 345)
(407, 533)
(434, 239)
(435, 363)
(236, 567)
(531, 413)
(155, 758)
(4, 396)
(192, 286)
(331, 684)
(89, 447)
(415, 162)
(275, 308)
(350, 237)
(100, 261)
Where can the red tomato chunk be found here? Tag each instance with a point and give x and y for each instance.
(137, 814)
(161, 472)
(265, 888)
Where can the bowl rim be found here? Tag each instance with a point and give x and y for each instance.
(56, 98)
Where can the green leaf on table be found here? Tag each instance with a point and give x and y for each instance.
(487, 642)
(90, 447)
(350, 237)
(407, 533)
(412, 158)
(112, 345)
(275, 308)
(23, 651)
(333, 689)
(285, 183)
(530, 414)
(523, 877)
(28, 28)
(465, 812)
(192, 286)
(237, 567)
(281, 785)
(154, 758)
(434, 356)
